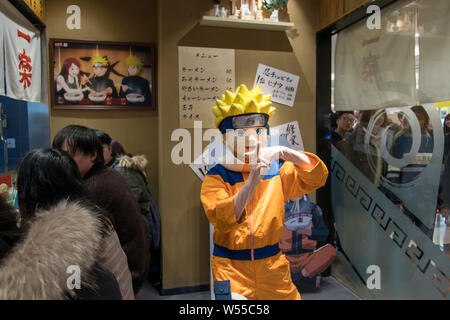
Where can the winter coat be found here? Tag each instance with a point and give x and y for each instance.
(112, 193)
(113, 259)
(59, 241)
(132, 168)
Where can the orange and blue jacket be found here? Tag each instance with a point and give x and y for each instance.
(264, 214)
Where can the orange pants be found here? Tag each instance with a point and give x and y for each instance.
(265, 279)
(314, 262)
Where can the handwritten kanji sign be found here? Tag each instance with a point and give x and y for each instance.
(280, 84)
(290, 131)
(375, 68)
(22, 58)
(25, 69)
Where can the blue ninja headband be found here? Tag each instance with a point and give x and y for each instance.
(242, 121)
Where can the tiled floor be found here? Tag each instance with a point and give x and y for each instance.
(330, 290)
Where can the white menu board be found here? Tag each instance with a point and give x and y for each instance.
(280, 84)
(204, 75)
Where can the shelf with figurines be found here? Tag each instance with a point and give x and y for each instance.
(250, 15)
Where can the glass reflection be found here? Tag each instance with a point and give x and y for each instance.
(404, 154)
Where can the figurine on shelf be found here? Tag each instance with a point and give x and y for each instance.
(233, 7)
(216, 8)
(253, 8)
(273, 6)
(245, 10)
(259, 13)
(223, 12)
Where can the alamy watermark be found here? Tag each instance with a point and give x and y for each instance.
(74, 280)
(374, 280)
(374, 20)
(182, 152)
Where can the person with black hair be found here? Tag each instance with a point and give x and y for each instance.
(105, 141)
(117, 149)
(366, 157)
(60, 231)
(402, 146)
(446, 136)
(344, 125)
(447, 124)
(112, 149)
(112, 193)
(9, 230)
(132, 168)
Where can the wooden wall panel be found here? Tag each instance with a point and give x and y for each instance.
(350, 5)
(329, 11)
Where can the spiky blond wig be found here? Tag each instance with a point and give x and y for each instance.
(241, 102)
(134, 61)
(101, 60)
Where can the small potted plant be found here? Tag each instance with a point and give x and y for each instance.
(273, 6)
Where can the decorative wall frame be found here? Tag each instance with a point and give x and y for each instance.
(102, 75)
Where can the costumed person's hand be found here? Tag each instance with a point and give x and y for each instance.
(242, 198)
(124, 88)
(279, 152)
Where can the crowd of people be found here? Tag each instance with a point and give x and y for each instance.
(86, 228)
(358, 135)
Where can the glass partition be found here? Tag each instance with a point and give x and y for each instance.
(390, 165)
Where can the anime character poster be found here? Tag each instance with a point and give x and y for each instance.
(102, 75)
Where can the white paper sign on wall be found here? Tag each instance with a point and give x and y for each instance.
(204, 75)
(74, 20)
(291, 131)
(280, 84)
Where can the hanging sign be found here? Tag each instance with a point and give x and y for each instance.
(22, 50)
